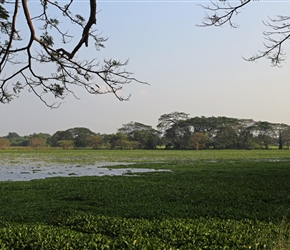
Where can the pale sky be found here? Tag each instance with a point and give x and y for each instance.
(199, 71)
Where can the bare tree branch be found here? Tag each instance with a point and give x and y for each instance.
(222, 12)
(275, 39)
(40, 64)
(13, 31)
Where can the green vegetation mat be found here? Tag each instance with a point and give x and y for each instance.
(209, 200)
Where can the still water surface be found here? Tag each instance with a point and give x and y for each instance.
(26, 172)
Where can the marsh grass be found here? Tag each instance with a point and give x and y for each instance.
(92, 156)
(209, 200)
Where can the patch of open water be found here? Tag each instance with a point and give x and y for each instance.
(27, 172)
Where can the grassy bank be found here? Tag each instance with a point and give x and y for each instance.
(209, 200)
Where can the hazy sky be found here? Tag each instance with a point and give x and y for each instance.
(190, 69)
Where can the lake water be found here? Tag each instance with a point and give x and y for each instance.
(34, 171)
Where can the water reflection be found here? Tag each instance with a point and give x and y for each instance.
(38, 171)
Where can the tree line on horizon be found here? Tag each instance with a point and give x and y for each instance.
(175, 130)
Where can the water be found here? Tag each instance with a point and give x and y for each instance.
(26, 172)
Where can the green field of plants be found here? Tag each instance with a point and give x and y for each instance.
(227, 199)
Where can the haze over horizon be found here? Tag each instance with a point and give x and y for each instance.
(199, 71)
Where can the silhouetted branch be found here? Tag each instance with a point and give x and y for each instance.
(35, 62)
(222, 12)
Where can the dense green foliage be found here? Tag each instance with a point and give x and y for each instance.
(209, 200)
(81, 231)
(174, 131)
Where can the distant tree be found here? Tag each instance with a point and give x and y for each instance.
(147, 139)
(287, 142)
(118, 140)
(37, 142)
(65, 144)
(226, 138)
(4, 143)
(33, 140)
(206, 125)
(14, 139)
(178, 135)
(245, 132)
(133, 145)
(264, 134)
(12, 136)
(60, 136)
(166, 121)
(223, 12)
(281, 134)
(199, 124)
(95, 141)
(198, 140)
(145, 135)
(81, 136)
(46, 41)
(174, 129)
